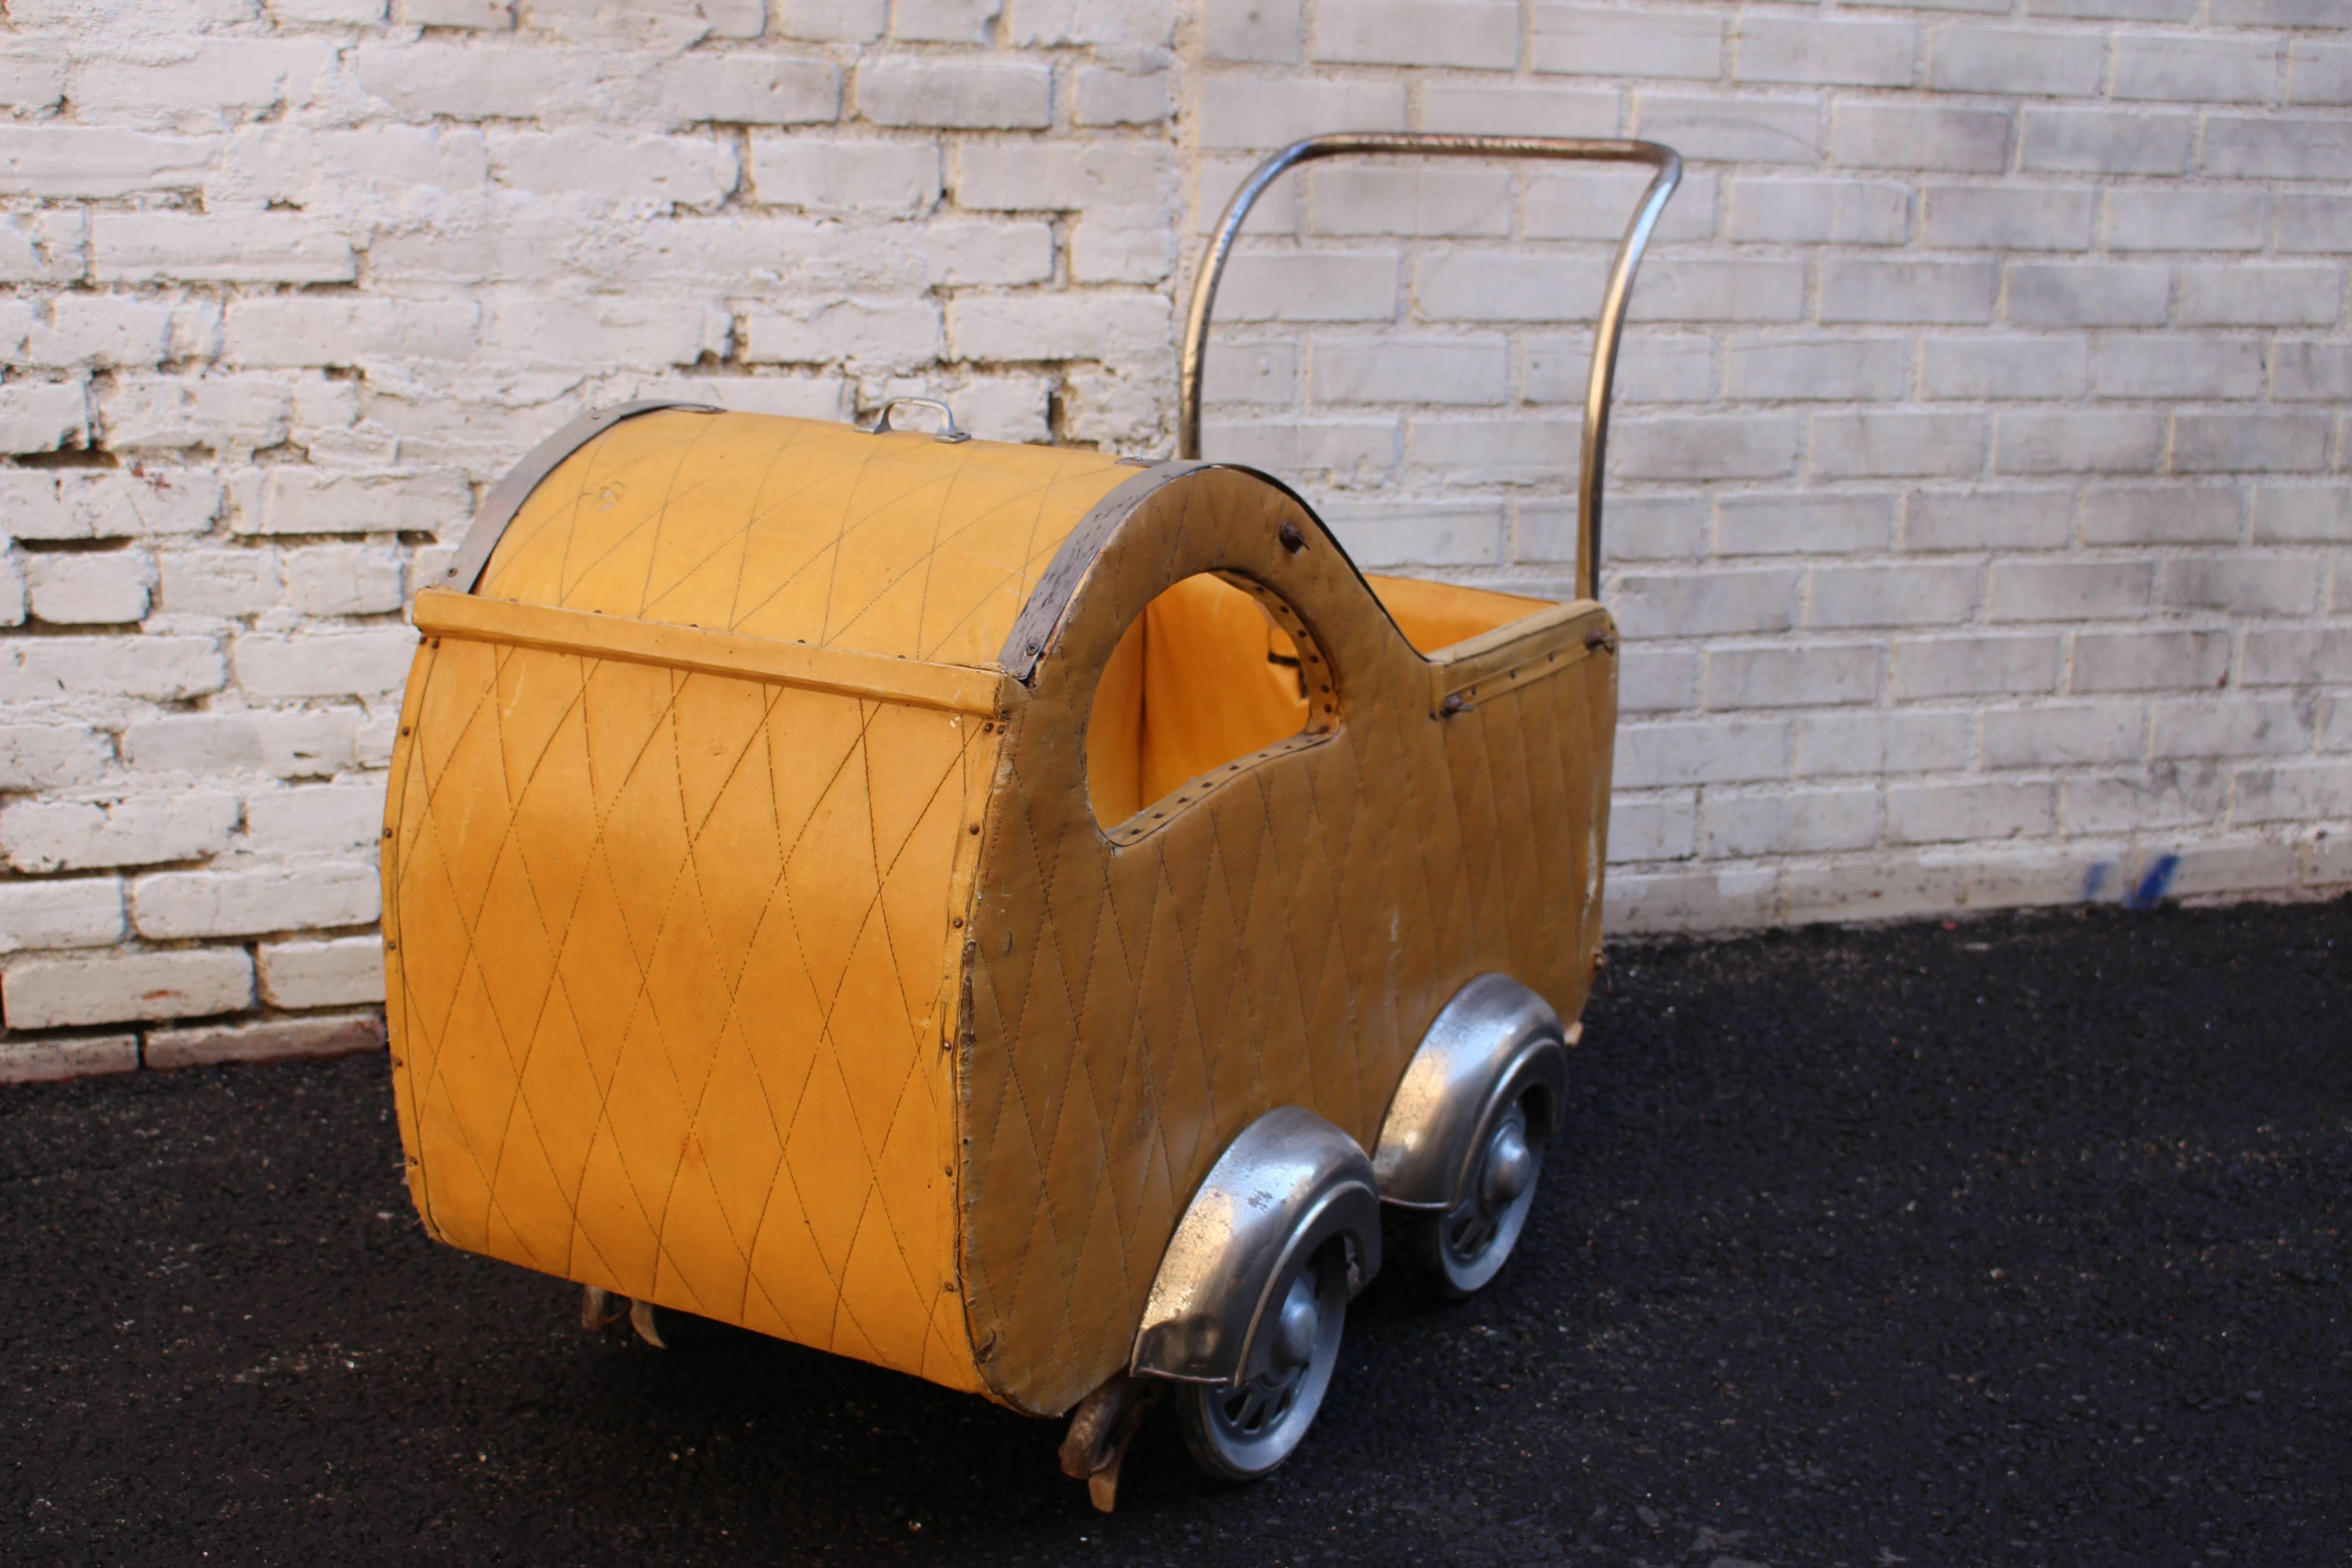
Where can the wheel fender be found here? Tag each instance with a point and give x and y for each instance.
(1486, 1046)
(1289, 1183)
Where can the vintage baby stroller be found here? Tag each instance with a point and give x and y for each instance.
(1008, 913)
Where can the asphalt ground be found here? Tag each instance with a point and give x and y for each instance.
(2018, 1241)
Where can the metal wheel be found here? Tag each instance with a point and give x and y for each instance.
(1467, 1246)
(1238, 1434)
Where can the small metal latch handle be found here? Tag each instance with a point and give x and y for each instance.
(948, 430)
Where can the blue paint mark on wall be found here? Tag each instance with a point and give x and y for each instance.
(2154, 885)
(2095, 880)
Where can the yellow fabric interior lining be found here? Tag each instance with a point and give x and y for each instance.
(1203, 676)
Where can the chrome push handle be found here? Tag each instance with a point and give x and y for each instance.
(1607, 328)
(947, 429)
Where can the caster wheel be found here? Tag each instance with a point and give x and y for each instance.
(1465, 1249)
(1240, 1434)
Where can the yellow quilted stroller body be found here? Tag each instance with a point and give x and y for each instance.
(1006, 913)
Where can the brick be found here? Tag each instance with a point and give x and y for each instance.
(2318, 73)
(339, 664)
(105, 588)
(2122, 10)
(1896, 445)
(2296, 659)
(1252, 30)
(2148, 219)
(271, 1039)
(2294, 791)
(328, 818)
(1497, 111)
(161, 668)
(290, 745)
(1992, 808)
(1472, 33)
(1391, 370)
(2311, 371)
(1704, 446)
(2231, 727)
(1705, 604)
(40, 756)
(1885, 887)
(1655, 829)
(2149, 661)
(954, 92)
(2063, 294)
(2106, 142)
(2162, 795)
(750, 90)
(891, 333)
(1989, 520)
(2056, 734)
(1747, 131)
(1974, 666)
(43, 247)
(1475, 451)
(2069, 590)
(1657, 681)
(1867, 135)
(2018, 369)
(1406, 533)
(340, 972)
(1021, 176)
(55, 1060)
(2281, 148)
(1636, 528)
(146, 503)
(1837, 744)
(2064, 443)
(1713, 751)
(1803, 524)
(2239, 586)
(282, 500)
(2314, 225)
(1790, 822)
(1651, 367)
(1671, 289)
(1239, 111)
(79, 912)
(471, 15)
(117, 988)
(1636, 904)
(234, 415)
(1802, 677)
(353, 13)
(946, 21)
(1361, 451)
(342, 331)
(605, 330)
(1592, 42)
(217, 582)
(2336, 725)
(1095, 325)
(2183, 366)
(2289, 515)
(66, 836)
(249, 247)
(343, 579)
(2007, 218)
(88, 330)
(1887, 291)
(2161, 514)
(1105, 95)
(2249, 443)
(1234, 371)
(70, 162)
(2198, 70)
(987, 251)
(33, 74)
(1835, 370)
(40, 417)
(1596, 203)
(825, 174)
(1852, 598)
(1851, 53)
(831, 21)
(1478, 286)
(2247, 295)
(1808, 211)
(2017, 61)
(170, 904)
(1418, 200)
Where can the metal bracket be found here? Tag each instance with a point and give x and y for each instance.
(948, 431)
(1608, 326)
(506, 498)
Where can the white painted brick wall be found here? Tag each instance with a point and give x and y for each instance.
(1981, 513)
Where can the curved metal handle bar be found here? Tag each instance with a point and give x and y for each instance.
(1608, 327)
(948, 431)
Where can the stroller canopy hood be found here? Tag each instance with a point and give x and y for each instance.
(801, 532)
